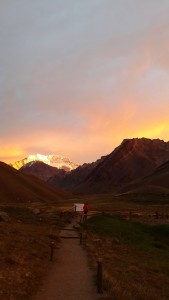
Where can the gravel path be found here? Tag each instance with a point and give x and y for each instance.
(70, 277)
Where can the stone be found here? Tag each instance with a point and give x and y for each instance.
(4, 216)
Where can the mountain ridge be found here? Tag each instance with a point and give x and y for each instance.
(132, 159)
(57, 161)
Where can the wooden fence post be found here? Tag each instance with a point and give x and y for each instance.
(130, 215)
(156, 215)
(81, 218)
(81, 236)
(52, 246)
(99, 275)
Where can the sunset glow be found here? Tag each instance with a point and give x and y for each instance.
(78, 77)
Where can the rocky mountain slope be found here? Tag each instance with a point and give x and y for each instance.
(56, 161)
(133, 159)
(16, 187)
(155, 183)
(70, 180)
(41, 170)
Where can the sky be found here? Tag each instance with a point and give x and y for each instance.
(77, 77)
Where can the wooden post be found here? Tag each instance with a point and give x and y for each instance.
(81, 218)
(130, 214)
(81, 236)
(99, 275)
(52, 246)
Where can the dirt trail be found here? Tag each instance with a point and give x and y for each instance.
(70, 277)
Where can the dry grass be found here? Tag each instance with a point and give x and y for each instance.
(25, 251)
(129, 272)
(133, 268)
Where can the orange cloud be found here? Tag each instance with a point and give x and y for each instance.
(10, 153)
(87, 106)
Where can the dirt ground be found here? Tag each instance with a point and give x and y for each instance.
(70, 277)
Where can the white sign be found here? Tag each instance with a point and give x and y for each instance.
(78, 206)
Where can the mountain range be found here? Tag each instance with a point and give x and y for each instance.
(132, 160)
(57, 161)
(135, 165)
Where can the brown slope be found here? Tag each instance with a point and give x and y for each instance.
(41, 170)
(23, 188)
(133, 159)
(160, 176)
(156, 183)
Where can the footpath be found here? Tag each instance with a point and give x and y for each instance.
(70, 277)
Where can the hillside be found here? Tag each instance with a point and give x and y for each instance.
(155, 183)
(133, 159)
(16, 187)
(41, 170)
(72, 179)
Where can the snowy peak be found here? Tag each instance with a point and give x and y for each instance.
(57, 161)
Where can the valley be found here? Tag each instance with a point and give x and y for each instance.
(84, 150)
(128, 217)
(134, 241)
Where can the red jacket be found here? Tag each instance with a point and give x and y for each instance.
(85, 207)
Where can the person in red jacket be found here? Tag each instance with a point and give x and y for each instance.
(85, 211)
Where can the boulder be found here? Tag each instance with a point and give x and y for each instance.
(4, 217)
(36, 211)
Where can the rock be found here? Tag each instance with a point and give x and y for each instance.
(36, 211)
(4, 216)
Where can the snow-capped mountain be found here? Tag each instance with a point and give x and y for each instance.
(57, 161)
